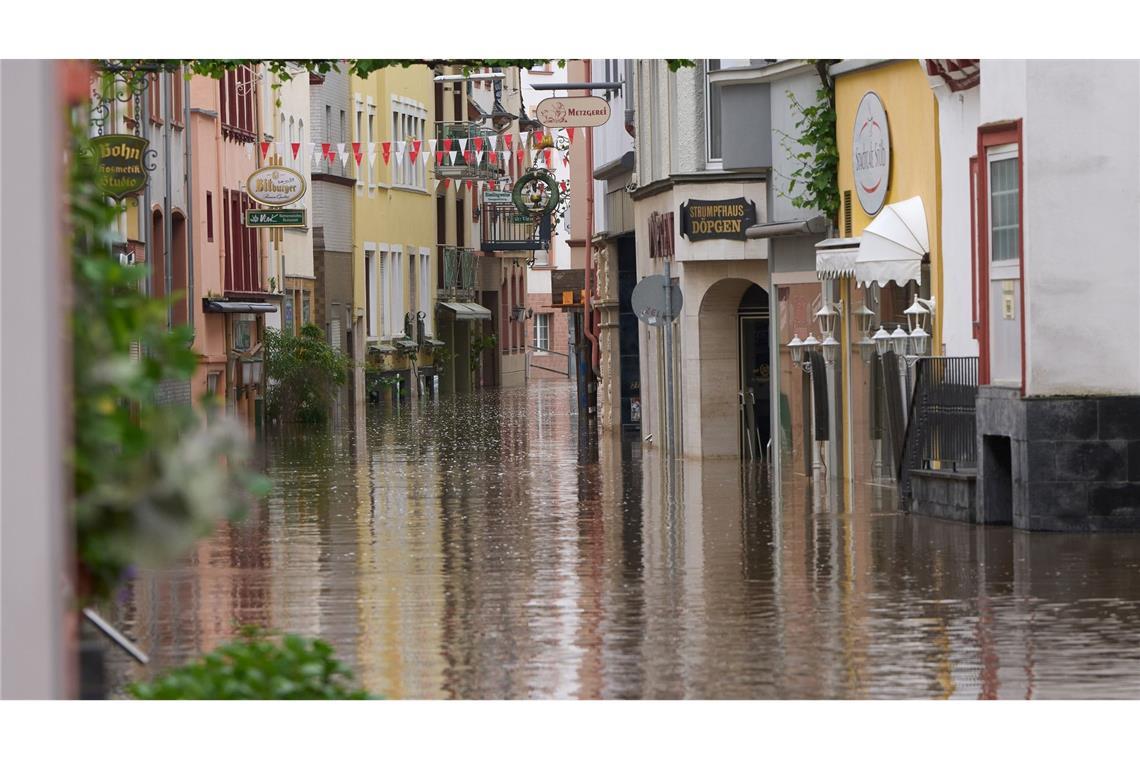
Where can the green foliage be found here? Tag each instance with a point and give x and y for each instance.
(304, 372)
(478, 346)
(255, 668)
(149, 479)
(815, 150)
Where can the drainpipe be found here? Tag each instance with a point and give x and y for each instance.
(588, 321)
(187, 141)
(167, 222)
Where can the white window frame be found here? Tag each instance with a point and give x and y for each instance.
(1006, 268)
(409, 122)
(722, 63)
(384, 275)
(358, 134)
(395, 292)
(373, 172)
(542, 318)
(370, 276)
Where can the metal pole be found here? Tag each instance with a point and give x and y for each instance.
(670, 437)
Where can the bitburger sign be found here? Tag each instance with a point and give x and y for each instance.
(275, 186)
(585, 111)
(704, 220)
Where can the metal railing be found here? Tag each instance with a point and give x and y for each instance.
(458, 270)
(942, 427)
(505, 228)
(466, 163)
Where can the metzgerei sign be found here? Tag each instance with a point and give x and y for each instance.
(584, 111)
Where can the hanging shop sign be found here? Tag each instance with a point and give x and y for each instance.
(275, 186)
(536, 193)
(728, 219)
(871, 153)
(119, 164)
(661, 235)
(580, 111)
(498, 196)
(277, 217)
(567, 287)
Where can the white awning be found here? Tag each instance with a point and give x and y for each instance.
(835, 258)
(893, 245)
(467, 311)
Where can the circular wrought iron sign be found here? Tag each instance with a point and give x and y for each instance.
(536, 192)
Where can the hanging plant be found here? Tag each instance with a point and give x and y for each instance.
(814, 183)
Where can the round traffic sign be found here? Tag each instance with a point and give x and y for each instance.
(649, 304)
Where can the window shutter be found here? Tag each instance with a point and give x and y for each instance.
(383, 293)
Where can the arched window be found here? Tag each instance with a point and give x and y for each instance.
(157, 260)
(179, 272)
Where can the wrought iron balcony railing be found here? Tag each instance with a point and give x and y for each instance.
(467, 164)
(506, 229)
(458, 274)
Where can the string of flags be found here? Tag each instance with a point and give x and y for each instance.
(495, 150)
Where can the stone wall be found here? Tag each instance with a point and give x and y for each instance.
(1073, 463)
(945, 494)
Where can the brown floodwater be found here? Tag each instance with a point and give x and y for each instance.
(482, 547)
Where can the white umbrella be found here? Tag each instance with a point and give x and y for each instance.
(893, 245)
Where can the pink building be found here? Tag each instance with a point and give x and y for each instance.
(229, 265)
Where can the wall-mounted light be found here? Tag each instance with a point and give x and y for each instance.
(827, 317)
(796, 346)
(830, 348)
(882, 340)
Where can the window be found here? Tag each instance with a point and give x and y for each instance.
(413, 281)
(359, 137)
(154, 95)
(328, 124)
(409, 122)
(177, 86)
(287, 317)
(373, 176)
(370, 291)
(1004, 203)
(395, 293)
(712, 106)
(209, 216)
(237, 93)
(425, 284)
(542, 332)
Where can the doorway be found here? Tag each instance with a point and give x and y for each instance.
(755, 375)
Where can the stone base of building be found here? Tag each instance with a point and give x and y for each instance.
(1058, 463)
(945, 494)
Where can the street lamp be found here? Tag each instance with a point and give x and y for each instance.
(830, 347)
(882, 340)
(810, 344)
(899, 340)
(919, 341)
(796, 346)
(827, 316)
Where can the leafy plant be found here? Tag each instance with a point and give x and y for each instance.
(254, 667)
(815, 150)
(478, 346)
(149, 479)
(304, 372)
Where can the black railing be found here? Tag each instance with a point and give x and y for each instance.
(467, 162)
(942, 427)
(505, 228)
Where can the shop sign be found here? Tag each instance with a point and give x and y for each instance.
(581, 111)
(728, 219)
(275, 186)
(661, 235)
(119, 166)
(567, 286)
(871, 153)
(497, 196)
(536, 193)
(277, 217)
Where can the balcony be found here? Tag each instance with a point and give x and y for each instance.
(505, 229)
(461, 168)
(458, 274)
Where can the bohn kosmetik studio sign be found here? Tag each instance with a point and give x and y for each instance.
(871, 153)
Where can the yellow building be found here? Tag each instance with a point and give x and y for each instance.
(884, 263)
(394, 246)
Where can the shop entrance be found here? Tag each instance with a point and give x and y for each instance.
(755, 375)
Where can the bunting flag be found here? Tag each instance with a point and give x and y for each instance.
(519, 155)
(446, 182)
(425, 156)
(413, 154)
(439, 158)
(451, 154)
(386, 151)
(431, 145)
(343, 159)
(570, 134)
(325, 150)
(356, 153)
(506, 157)
(399, 145)
(296, 149)
(546, 154)
(340, 150)
(494, 140)
(400, 160)
(416, 146)
(316, 157)
(479, 155)
(331, 154)
(447, 144)
(371, 159)
(468, 185)
(478, 143)
(507, 140)
(264, 149)
(493, 157)
(463, 145)
(469, 156)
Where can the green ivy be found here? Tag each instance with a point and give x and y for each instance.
(256, 668)
(304, 372)
(815, 151)
(149, 479)
(478, 346)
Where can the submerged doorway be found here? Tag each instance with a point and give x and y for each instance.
(755, 374)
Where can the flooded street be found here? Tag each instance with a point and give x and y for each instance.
(477, 547)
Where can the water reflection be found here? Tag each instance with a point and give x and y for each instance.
(480, 547)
